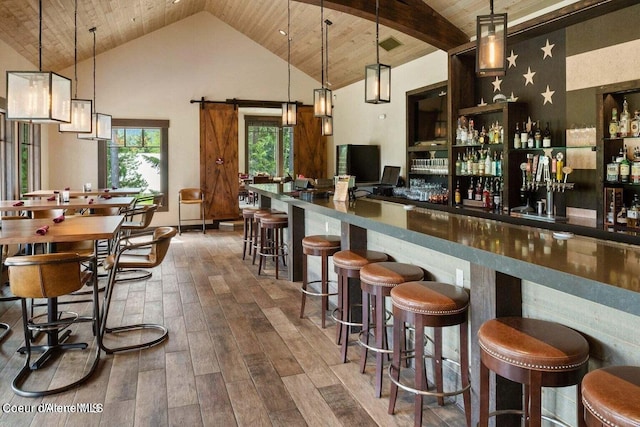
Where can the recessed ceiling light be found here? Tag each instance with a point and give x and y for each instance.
(176, 1)
(283, 32)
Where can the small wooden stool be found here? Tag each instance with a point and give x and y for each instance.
(272, 243)
(376, 282)
(436, 305)
(323, 246)
(347, 265)
(247, 235)
(611, 397)
(532, 352)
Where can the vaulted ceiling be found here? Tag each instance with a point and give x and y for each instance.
(420, 26)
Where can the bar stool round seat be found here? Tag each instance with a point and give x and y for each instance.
(272, 243)
(347, 264)
(435, 305)
(257, 215)
(376, 282)
(247, 235)
(532, 352)
(611, 396)
(323, 246)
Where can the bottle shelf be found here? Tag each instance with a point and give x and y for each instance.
(427, 148)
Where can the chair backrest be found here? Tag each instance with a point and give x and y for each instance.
(47, 275)
(190, 194)
(145, 213)
(48, 213)
(162, 236)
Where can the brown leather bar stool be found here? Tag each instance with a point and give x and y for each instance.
(247, 235)
(611, 396)
(376, 282)
(272, 244)
(535, 353)
(347, 264)
(323, 246)
(257, 215)
(435, 305)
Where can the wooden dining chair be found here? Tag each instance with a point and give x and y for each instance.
(50, 276)
(141, 254)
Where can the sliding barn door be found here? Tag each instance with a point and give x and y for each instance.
(219, 160)
(310, 147)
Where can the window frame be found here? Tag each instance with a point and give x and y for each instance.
(269, 120)
(163, 125)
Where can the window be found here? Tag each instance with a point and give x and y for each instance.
(136, 156)
(28, 136)
(268, 146)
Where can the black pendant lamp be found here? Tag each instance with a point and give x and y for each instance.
(327, 121)
(81, 109)
(491, 41)
(377, 78)
(38, 96)
(289, 109)
(322, 97)
(100, 123)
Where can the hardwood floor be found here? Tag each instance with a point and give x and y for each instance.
(237, 354)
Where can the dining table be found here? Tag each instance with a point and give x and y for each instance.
(116, 192)
(72, 229)
(84, 202)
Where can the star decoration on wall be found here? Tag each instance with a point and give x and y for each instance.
(512, 59)
(547, 50)
(482, 103)
(547, 96)
(528, 77)
(513, 98)
(496, 84)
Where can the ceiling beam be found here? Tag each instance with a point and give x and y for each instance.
(412, 17)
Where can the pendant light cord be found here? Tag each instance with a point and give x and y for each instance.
(377, 35)
(289, 50)
(75, 48)
(322, 41)
(327, 22)
(40, 38)
(93, 30)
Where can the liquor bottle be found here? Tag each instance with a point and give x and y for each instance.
(478, 193)
(463, 164)
(499, 166)
(516, 137)
(497, 198)
(537, 136)
(546, 137)
(524, 135)
(625, 168)
(634, 127)
(613, 124)
(483, 136)
(623, 127)
(463, 131)
(459, 165)
(481, 163)
(470, 163)
(487, 164)
(633, 213)
(613, 171)
(487, 200)
(459, 132)
(635, 171)
(458, 196)
(471, 132)
(470, 190)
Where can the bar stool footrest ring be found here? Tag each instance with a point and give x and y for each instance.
(368, 347)
(426, 392)
(521, 413)
(344, 322)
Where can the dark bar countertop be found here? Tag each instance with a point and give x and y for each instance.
(598, 270)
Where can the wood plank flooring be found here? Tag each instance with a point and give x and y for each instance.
(237, 354)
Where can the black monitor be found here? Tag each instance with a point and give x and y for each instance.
(390, 175)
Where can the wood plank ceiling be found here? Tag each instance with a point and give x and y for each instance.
(421, 26)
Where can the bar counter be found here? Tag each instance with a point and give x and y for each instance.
(587, 283)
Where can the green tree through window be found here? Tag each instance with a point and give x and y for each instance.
(268, 146)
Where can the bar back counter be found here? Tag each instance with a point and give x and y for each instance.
(588, 284)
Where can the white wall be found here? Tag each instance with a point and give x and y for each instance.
(356, 122)
(154, 77)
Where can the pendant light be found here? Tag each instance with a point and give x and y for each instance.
(377, 78)
(38, 96)
(327, 121)
(322, 97)
(81, 109)
(289, 109)
(100, 123)
(491, 40)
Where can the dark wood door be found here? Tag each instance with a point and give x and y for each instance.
(219, 160)
(310, 147)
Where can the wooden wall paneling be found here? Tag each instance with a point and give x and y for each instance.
(219, 160)
(309, 146)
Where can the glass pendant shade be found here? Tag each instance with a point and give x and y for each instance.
(289, 114)
(377, 84)
(81, 110)
(101, 128)
(491, 55)
(322, 102)
(37, 96)
(327, 126)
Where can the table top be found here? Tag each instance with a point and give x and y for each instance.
(72, 229)
(73, 203)
(125, 191)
